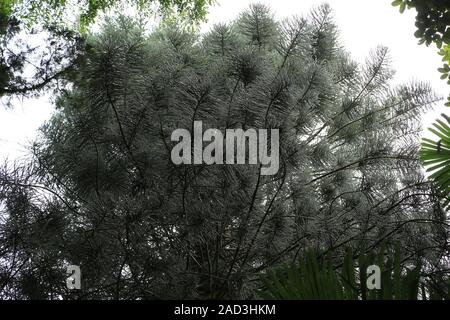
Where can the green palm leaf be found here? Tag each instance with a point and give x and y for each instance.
(435, 155)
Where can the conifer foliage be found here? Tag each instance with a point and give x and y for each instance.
(100, 190)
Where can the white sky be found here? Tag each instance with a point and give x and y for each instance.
(364, 24)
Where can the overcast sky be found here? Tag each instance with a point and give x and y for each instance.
(363, 25)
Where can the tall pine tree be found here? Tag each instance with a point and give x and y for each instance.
(100, 189)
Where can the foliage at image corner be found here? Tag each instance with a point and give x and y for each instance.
(5, 12)
(49, 12)
(61, 28)
(433, 26)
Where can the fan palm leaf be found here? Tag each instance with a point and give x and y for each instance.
(435, 154)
